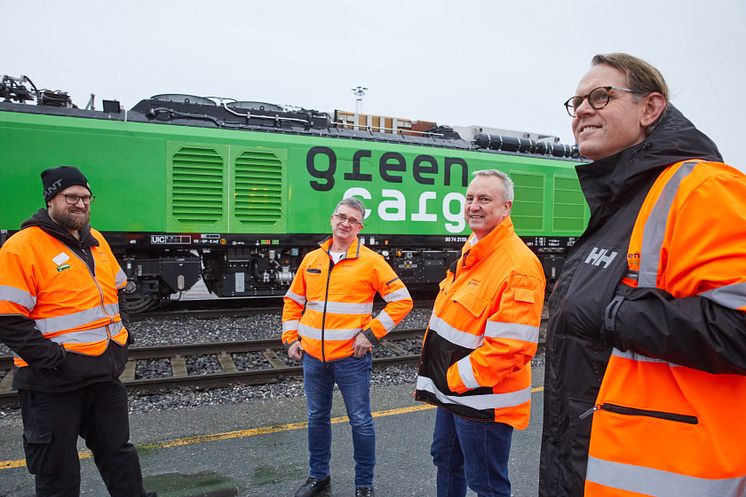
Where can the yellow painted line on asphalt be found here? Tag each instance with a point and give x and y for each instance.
(264, 430)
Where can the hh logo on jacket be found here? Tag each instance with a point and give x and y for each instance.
(598, 256)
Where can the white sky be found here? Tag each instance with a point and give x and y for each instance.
(493, 63)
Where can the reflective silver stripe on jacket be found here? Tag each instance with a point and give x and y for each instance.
(454, 335)
(329, 334)
(525, 332)
(81, 318)
(120, 279)
(649, 481)
(632, 356)
(289, 325)
(340, 307)
(17, 296)
(298, 298)
(386, 321)
(87, 336)
(654, 230)
(396, 295)
(467, 373)
(731, 296)
(479, 402)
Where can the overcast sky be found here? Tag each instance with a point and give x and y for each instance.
(492, 63)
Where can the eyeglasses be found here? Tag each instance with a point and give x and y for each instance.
(74, 199)
(350, 220)
(598, 98)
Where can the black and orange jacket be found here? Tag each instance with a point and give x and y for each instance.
(328, 304)
(59, 308)
(663, 388)
(484, 331)
(664, 352)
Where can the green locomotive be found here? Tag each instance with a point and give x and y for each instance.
(237, 192)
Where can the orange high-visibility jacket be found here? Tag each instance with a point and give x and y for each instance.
(328, 304)
(44, 280)
(476, 356)
(662, 428)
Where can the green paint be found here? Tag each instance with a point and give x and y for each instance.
(150, 177)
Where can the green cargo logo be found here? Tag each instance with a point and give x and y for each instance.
(62, 267)
(321, 163)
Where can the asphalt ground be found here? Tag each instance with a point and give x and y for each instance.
(259, 449)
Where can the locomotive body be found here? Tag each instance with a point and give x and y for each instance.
(187, 188)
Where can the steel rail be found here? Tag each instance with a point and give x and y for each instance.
(229, 375)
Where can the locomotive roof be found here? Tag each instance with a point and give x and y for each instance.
(188, 110)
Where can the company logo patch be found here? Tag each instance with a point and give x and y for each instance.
(600, 256)
(62, 267)
(60, 258)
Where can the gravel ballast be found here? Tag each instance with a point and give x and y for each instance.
(153, 331)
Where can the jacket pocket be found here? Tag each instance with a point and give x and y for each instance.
(633, 411)
(471, 302)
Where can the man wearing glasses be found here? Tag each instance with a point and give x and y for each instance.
(59, 314)
(646, 347)
(327, 323)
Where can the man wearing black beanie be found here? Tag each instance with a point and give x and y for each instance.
(59, 313)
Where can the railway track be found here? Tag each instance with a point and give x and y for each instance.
(211, 365)
(211, 309)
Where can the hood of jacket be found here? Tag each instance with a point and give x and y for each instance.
(42, 219)
(606, 182)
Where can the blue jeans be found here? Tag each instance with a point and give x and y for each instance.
(470, 452)
(353, 377)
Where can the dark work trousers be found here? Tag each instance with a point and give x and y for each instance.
(51, 425)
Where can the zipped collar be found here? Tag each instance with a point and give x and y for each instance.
(42, 219)
(606, 182)
(353, 251)
(472, 254)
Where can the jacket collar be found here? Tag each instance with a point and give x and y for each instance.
(606, 182)
(42, 219)
(353, 251)
(474, 251)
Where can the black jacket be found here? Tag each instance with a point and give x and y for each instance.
(576, 354)
(51, 368)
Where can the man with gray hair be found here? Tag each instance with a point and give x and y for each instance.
(327, 323)
(476, 355)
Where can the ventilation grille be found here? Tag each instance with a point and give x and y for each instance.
(528, 208)
(258, 188)
(197, 180)
(569, 205)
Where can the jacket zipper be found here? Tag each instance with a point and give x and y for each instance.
(631, 411)
(323, 314)
(103, 307)
(98, 287)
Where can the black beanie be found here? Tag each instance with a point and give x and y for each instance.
(57, 179)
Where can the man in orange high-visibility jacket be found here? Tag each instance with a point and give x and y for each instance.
(645, 385)
(327, 323)
(476, 356)
(59, 314)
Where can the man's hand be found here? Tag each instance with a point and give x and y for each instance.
(295, 351)
(361, 346)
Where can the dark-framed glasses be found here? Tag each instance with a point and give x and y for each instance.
(345, 219)
(74, 199)
(598, 98)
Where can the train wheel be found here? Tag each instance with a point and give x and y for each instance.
(135, 303)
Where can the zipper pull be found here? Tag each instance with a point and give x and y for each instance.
(591, 411)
